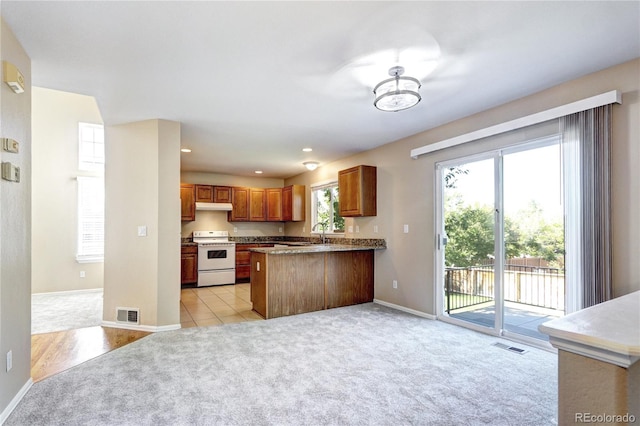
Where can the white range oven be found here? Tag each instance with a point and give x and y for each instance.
(216, 258)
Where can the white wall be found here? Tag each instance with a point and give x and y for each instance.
(54, 121)
(217, 221)
(406, 186)
(143, 189)
(15, 229)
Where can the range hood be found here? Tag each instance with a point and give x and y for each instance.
(226, 207)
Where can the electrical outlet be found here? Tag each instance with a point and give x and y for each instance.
(357, 229)
(406, 229)
(395, 284)
(280, 229)
(82, 274)
(350, 229)
(235, 229)
(9, 360)
(375, 229)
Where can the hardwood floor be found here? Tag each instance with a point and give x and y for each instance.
(52, 353)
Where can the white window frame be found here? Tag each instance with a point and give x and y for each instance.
(90, 135)
(314, 210)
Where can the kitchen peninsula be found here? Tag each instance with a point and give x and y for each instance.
(294, 280)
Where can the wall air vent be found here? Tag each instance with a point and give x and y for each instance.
(128, 315)
(510, 348)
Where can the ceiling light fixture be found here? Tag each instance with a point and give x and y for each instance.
(311, 165)
(258, 172)
(307, 149)
(396, 93)
(185, 150)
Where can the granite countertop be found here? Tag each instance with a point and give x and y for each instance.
(607, 332)
(314, 248)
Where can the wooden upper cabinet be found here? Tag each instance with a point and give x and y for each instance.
(204, 194)
(257, 205)
(222, 194)
(274, 204)
(293, 203)
(357, 191)
(188, 201)
(262, 204)
(240, 202)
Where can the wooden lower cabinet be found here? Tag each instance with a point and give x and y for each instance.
(243, 261)
(189, 265)
(290, 284)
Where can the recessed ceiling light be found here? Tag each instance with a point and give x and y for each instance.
(307, 149)
(258, 172)
(185, 150)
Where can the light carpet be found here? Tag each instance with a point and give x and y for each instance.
(360, 365)
(65, 311)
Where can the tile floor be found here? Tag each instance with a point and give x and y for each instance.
(206, 306)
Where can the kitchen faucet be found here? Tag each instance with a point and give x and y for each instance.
(324, 228)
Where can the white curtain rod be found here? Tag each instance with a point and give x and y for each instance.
(595, 101)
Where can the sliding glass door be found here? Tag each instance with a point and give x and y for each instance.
(501, 239)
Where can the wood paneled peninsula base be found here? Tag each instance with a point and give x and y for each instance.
(295, 280)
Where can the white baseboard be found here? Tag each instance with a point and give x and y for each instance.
(403, 309)
(86, 290)
(149, 328)
(15, 401)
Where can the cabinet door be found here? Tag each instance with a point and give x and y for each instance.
(274, 204)
(357, 191)
(188, 201)
(204, 194)
(189, 268)
(240, 208)
(257, 205)
(222, 194)
(293, 203)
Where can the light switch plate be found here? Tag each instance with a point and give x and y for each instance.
(406, 229)
(142, 231)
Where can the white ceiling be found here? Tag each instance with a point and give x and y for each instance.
(254, 82)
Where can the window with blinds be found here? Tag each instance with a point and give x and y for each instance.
(90, 219)
(90, 193)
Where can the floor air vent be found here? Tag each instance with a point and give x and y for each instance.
(128, 315)
(510, 348)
